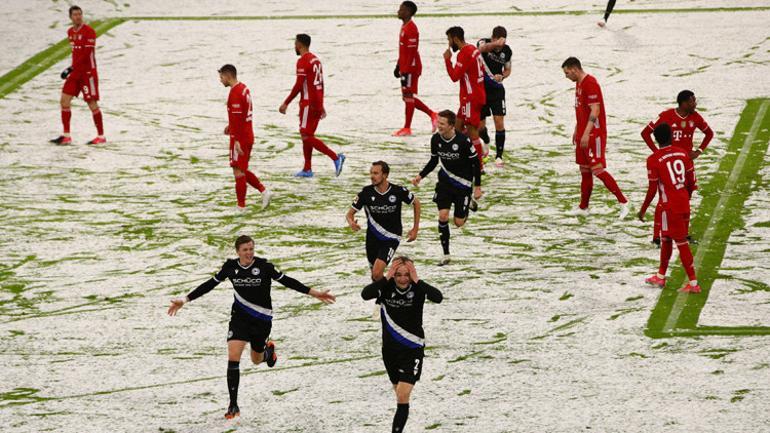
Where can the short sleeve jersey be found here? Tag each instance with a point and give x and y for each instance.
(383, 210)
(83, 43)
(239, 114)
(495, 61)
(682, 128)
(587, 93)
(312, 90)
(408, 49)
(472, 82)
(673, 170)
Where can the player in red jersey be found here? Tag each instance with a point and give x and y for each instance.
(409, 68)
(469, 70)
(671, 174)
(81, 76)
(310, 87)
(241, 134)
(683, 120)
(590, 136)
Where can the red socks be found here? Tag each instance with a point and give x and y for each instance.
(98, 122)
(409, 112)
(253, 180)
(586, 186)
(66, 115)
(318, 145)
(666, 247)
(685, 255)
(240, 190)
(657, 224)
(611, 185)
(422, 107)
(478, 147)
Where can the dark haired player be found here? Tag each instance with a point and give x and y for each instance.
(672, 176)
(496, 55)
(401, 297)
(382, 203)
(683, 120)
(459, 177)
(469, 70)
(241, 136)
(252, 310)
(590, 136)
(310, 87)
(81, 76)
(409, 68)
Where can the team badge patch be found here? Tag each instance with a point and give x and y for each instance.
(392, 199)
(684, 124)
(255, 271)
(455, 147)
(410, 295)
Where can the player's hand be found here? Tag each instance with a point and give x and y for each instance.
(323, 113)
(412, 235)
(412, 272)
(392, 269)
(584, 141)
(65, 73)
(396, 72)
(238, 148)
(448, 54)
(227, 130)
(695, 153)
(282, 108)
(416, 180)
(498, 78)
(640, 215)
(354, 225)
(477, 192)
(324, 296)
(176, 305)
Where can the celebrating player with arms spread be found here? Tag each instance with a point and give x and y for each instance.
(458, 178)
(81, 76)
(683, 120)
(310, 87)
(382, 203)
(401, 297)
(409, 67)
(252, 310)
(241, 134)
(590, 136)
(469, 70)
(672, 176)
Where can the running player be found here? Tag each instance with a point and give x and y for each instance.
(401, 297)
(310, 87)
(671, 174)
(458, 178)
(497, 64)
(252, 311)
(607, 12)
(470, 69)
(382, 203)
(241, 136)
(81, 76)
(409, 68)
(590, 136)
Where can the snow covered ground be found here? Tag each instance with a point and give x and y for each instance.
(542, 327)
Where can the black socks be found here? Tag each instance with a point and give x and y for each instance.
(399, 419)
(233, 377)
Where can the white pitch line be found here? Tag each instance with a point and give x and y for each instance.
(681, 298)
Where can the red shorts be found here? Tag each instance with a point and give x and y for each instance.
(308, 119)
(86, 83)
(240, 161)
(675, 225)
(409, 83)
(470, 112)
(594, 153)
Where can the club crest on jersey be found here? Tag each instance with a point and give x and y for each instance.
(455, 147)
(392, 199)
(255, 271)
(684, 123)
(410, 295)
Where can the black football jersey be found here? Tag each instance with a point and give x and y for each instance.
(456, 158)
(495, 61)
(383, 210)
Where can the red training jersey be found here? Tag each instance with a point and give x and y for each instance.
(310, 82)
(408, 55)
(469, 70)
(587, 93)
(682, 128)
(673, 170)
(83, 42)
(239, 114)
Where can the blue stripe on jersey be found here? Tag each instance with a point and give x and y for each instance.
(253, 313)
(402, 339)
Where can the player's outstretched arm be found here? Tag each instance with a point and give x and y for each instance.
(372, 291)
(429, 167)
(324, 296)
(176, 305)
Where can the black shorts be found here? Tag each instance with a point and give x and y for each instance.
(495, 105)
(379, 249)
(246, 328)
(403, 365)
(446, 196)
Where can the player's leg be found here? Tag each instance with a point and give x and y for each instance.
(679, 231)
(656, 224)
(443, 228)
(483, 133)
(307, 132)
(378, 269)
(498, 115)
(666, 247)
(410, 370)
(91, 96)
(234, 352)
(65, 102)
(403, 393)
(607, 12)
(586, 186)
(240, 185)
(385, 252)
(461, 203)
(262, 349)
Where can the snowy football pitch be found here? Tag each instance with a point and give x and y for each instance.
(546, 325)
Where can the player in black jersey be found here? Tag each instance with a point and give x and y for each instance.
(497, 61)
(382, 203)
(459, 177)
(401, 297)
(252, 310)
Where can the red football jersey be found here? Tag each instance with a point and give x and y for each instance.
(408, 55)
(469, 69)
(588, 92)
(682, 128)
(83, 42)
(239, 114)
(673, 170)
(310, 71)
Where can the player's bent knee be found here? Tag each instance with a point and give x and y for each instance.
(459, 222)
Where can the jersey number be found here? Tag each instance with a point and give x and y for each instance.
(248, 113)
(481, 69)
(319, 76)
(416, 366)
(676, 170)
